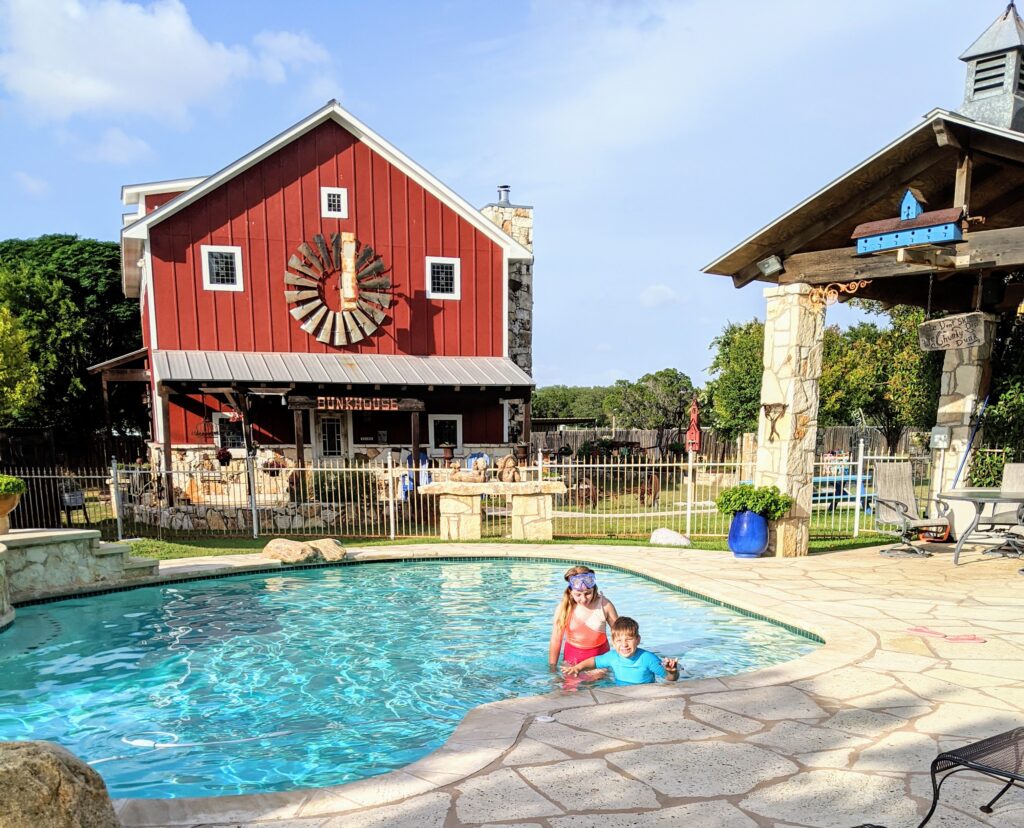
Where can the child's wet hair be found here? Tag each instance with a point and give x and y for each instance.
(626, 625)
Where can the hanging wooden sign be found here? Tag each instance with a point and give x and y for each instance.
(332, 403)
(964, 330)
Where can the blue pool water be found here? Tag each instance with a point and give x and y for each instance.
(316, 677)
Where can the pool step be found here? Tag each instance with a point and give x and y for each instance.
(141, 567)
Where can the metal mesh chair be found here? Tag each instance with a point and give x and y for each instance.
(1013, 480)
(896, 507)
(1001, 757)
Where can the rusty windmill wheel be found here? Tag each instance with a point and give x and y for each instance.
(358, 274)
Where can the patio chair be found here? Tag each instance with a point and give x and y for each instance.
(1013, 480)
(896, 506)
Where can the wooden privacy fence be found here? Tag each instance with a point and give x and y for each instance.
(612, 497)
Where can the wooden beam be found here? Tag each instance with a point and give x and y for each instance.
(415, 428)
(962, 187)
(300, 456)
(947, 135)
(988, 249)
(126, 375)
(884, 188)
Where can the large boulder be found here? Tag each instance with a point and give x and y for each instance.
(300, 552)
(45, 786)
(330, 549)
(668, 537)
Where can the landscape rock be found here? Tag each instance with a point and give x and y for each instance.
(290, 551)
(330, 549)
(46, 786)
(298, 552)
(668, 537)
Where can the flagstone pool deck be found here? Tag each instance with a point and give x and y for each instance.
(841, 737)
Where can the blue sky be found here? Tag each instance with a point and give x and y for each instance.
(650, 136)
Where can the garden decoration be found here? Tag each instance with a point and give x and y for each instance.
(650, 490)
(751, 509)
(361, 283)
(693, 434)
(11, 490)
(224, 456)
(508, 469)
(774, 412)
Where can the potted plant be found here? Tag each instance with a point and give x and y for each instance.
(223, 456)
(751, 509)
(11, 490)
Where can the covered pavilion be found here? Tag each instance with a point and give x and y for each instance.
(862, 235)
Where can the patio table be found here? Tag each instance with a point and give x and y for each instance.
(979, 497)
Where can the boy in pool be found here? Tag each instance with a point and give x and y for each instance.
(629, 664)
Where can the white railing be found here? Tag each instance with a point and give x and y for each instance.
(606, 497)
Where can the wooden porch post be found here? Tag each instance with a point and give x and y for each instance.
(527, 424)
(415, 447)
(300, 456)
(165, 433)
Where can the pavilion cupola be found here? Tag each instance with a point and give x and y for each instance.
(995, 73)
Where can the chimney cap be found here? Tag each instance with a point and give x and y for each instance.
(503, 198)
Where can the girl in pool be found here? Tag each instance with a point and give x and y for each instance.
(582, 619)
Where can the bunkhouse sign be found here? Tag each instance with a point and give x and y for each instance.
(331, 403)
(964, 330)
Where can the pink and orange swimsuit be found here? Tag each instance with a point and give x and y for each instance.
(585, 632)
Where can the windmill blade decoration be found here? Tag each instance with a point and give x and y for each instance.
(363, 286)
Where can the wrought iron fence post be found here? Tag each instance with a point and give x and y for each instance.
(540, 465)
(391, 496)
(859, 488)
(250, 474)
(115, 495)
(689, 490)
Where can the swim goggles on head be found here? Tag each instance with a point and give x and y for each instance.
(585, 580)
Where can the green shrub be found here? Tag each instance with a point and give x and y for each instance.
(343, 487)
(11, 485)
(987, 467)
(766, 501)
(601, 448)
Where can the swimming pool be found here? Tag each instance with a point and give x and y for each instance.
(316, 677)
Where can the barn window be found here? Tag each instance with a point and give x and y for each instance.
(444, 429)
(222, 267)
(443, 278)
(227, 434)
(333, 202)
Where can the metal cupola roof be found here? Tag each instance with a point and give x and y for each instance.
(1004, 35)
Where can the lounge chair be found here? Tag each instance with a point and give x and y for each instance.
(896, 507)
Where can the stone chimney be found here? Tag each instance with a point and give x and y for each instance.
(994, 93)
(517, 221)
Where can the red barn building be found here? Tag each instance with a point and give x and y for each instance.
(325, 295)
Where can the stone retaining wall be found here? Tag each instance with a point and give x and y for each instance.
(228, 518)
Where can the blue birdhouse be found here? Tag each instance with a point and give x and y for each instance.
(913, 227)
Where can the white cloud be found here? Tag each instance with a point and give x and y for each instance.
(60, 58)
(654, 296)
(116, 147)
(30, 184)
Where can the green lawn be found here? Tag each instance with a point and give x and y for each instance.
(167, 550)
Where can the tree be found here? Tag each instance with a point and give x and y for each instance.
(883, 372)
(734, 392)
(571, 401)
(880, 371)
(659, 401)
(66, 294)
(19, 383)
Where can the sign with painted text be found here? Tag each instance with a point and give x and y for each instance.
(964, 330)
(332, 403)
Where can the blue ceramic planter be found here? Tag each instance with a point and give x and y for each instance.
(748, 534)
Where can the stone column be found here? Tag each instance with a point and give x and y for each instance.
(966, 375)
(460, 517)
(793, 340)
(532, 517)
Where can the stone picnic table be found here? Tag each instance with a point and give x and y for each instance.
(532, 510)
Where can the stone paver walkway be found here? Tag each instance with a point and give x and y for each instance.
(841, 737)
